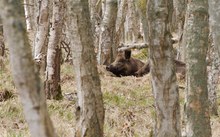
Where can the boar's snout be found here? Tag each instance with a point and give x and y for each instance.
(108, 67)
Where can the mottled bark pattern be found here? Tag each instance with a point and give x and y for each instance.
(132, 23)
(42, 23)
(142, 11)
(213, 78)
(165, 89)
(52, 83)
(214, 19)
(26, 80)
(121, 17)
(107, 33)
(90, 110)
(180, 11)
(29, 14)
(196, 34)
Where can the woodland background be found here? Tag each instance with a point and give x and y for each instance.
(56, 83)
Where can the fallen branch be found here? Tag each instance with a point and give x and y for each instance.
(125, 46)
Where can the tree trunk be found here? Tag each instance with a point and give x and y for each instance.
(95, 12)
(121, 17)
(180, 10)
(214, 19)
(29, 14)
(52, 83)
(132, 23)
(142, 12)
(26, 80)
(165, 89)
(90, 110)
(196, 34)
(40, 41)
(213, 76)
(107, 33)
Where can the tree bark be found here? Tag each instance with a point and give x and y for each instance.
(52, 83)
(143, 15)
(90, 110)
(132, 23)
(180, 10)
(107, 33)
(121, 17)
(95, 12)
(26, 80)
(29, 14)
(214, 19)
(196, 34)
(163, 75)
(213, 76)
(40, 42)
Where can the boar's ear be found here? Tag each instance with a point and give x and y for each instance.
(127, 54)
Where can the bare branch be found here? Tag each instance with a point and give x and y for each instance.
(125, 46)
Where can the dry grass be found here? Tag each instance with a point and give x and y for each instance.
(129, 107)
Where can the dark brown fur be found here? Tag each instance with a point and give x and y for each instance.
(180, 69)
(124, 64)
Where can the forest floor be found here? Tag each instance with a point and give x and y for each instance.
(129, 106)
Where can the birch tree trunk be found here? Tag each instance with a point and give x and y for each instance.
(42, 31)
(143, 15)
(132, 23)
(29, 14)
(95, 12)
(213, 78)
(105, 54)
(52, 83)
(163, 75)
(197, 105)
(180, 10)
(121, 17)
(26, 80)
(90, 110)
(214, 19)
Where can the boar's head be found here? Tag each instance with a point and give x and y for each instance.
(124, 64)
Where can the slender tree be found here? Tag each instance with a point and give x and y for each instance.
(52, 82)
(121, 18)
(26, 80)
(141, 4)
(42, 30)
(163, 75)
(214, 20)
(105, 53)
(213, 78)
(132, 23)
(196, 34)
(180, 11)
(89, 110)
(29, 14)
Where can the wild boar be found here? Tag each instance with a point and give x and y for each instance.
(180, 69)
(144, 70)
(124, 64)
